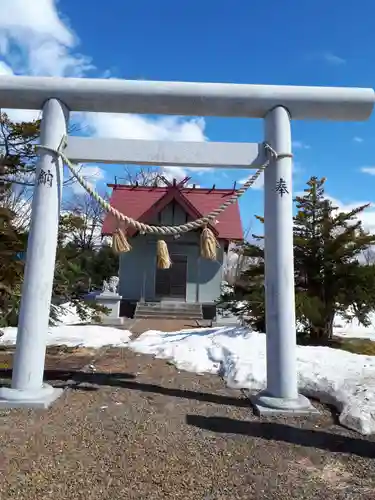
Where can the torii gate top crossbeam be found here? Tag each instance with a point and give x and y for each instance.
(187, 98)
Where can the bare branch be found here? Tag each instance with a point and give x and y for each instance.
(86, 233)
(143, 176)
(18, 200)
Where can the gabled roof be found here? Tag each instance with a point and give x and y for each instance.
(144, 202)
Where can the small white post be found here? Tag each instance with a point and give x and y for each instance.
(281, 394)
(27, 381)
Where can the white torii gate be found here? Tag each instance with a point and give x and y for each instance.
(275, 104)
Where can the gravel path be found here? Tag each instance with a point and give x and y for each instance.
(139, 429)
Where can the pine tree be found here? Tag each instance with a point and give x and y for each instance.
(12, 246)
(17, 151)
(78, 269)
(329, 275)
(246, 297)
(77, 265)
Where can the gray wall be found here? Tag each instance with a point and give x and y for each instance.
(138, 267)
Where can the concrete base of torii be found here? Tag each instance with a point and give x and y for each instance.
(266, 405)
(40, 399)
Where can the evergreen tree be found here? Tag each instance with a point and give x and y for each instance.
(17, 151)
(329, 275)
(78, 269)
(17, 161)
(80, 265)
(12, 246)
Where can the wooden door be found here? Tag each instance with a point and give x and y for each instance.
(171, 283)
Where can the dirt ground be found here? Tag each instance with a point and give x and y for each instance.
(139, 429)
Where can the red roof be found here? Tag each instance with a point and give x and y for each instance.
(140, 203)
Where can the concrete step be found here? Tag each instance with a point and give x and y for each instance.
(170, 305)
(169, 316)
(176, 312)
(168, 310)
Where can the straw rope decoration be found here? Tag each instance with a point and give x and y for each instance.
(209, 243)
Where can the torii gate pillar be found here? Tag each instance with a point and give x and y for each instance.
(281, 394)
(28, 389)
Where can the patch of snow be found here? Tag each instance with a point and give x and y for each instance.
(93, 336)
(226, 318)
(240, 304)
(342, 327)
(226, 288)
(239, 356)
(354, 329)
(68, 315)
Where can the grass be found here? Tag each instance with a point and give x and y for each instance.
(354, 345)
(7, 348)
(55, 349)
(351, 344)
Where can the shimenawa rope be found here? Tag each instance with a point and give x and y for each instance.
(209, 243)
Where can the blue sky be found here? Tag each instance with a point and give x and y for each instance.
(289, 42)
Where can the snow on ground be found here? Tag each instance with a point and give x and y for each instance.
(343, 328)
(74, 336)
(64, 333)
(68, 315)
(239, 356)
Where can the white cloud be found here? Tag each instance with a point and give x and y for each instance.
(367, 216)
(357, 139)
(92, 174)
(5, 69)
(333, 59)
(18, 16)
(177, 173)
(300, 145)
(327, 57)
(142, 127)
(368, 170)
(36, 40)
(172, 128)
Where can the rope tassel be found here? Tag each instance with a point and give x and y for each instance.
(163, 259)
(209, 244)
(120, 242)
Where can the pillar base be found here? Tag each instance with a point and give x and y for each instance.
(267, 405)
(34, 399)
